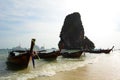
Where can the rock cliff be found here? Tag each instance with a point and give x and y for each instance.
(72, 34)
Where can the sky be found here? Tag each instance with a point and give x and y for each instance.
(22, 20)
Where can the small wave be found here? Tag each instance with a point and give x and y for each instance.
(51, 68)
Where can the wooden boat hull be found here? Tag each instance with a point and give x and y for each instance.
(106, 51)
(94, 51)
(72, 55)
(18, 62)
(51, 55)
(101, 51)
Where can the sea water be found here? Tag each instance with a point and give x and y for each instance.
(45, 68)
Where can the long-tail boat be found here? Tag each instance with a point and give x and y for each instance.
(21, 60)
(46, 54)
(71, 53)
(106, 51)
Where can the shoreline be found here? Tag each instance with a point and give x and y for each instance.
(106, 68)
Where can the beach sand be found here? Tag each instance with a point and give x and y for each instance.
(106, 68)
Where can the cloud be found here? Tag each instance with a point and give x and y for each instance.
(25, 8)
(43, 19)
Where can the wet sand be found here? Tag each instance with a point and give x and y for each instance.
(106, 68)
